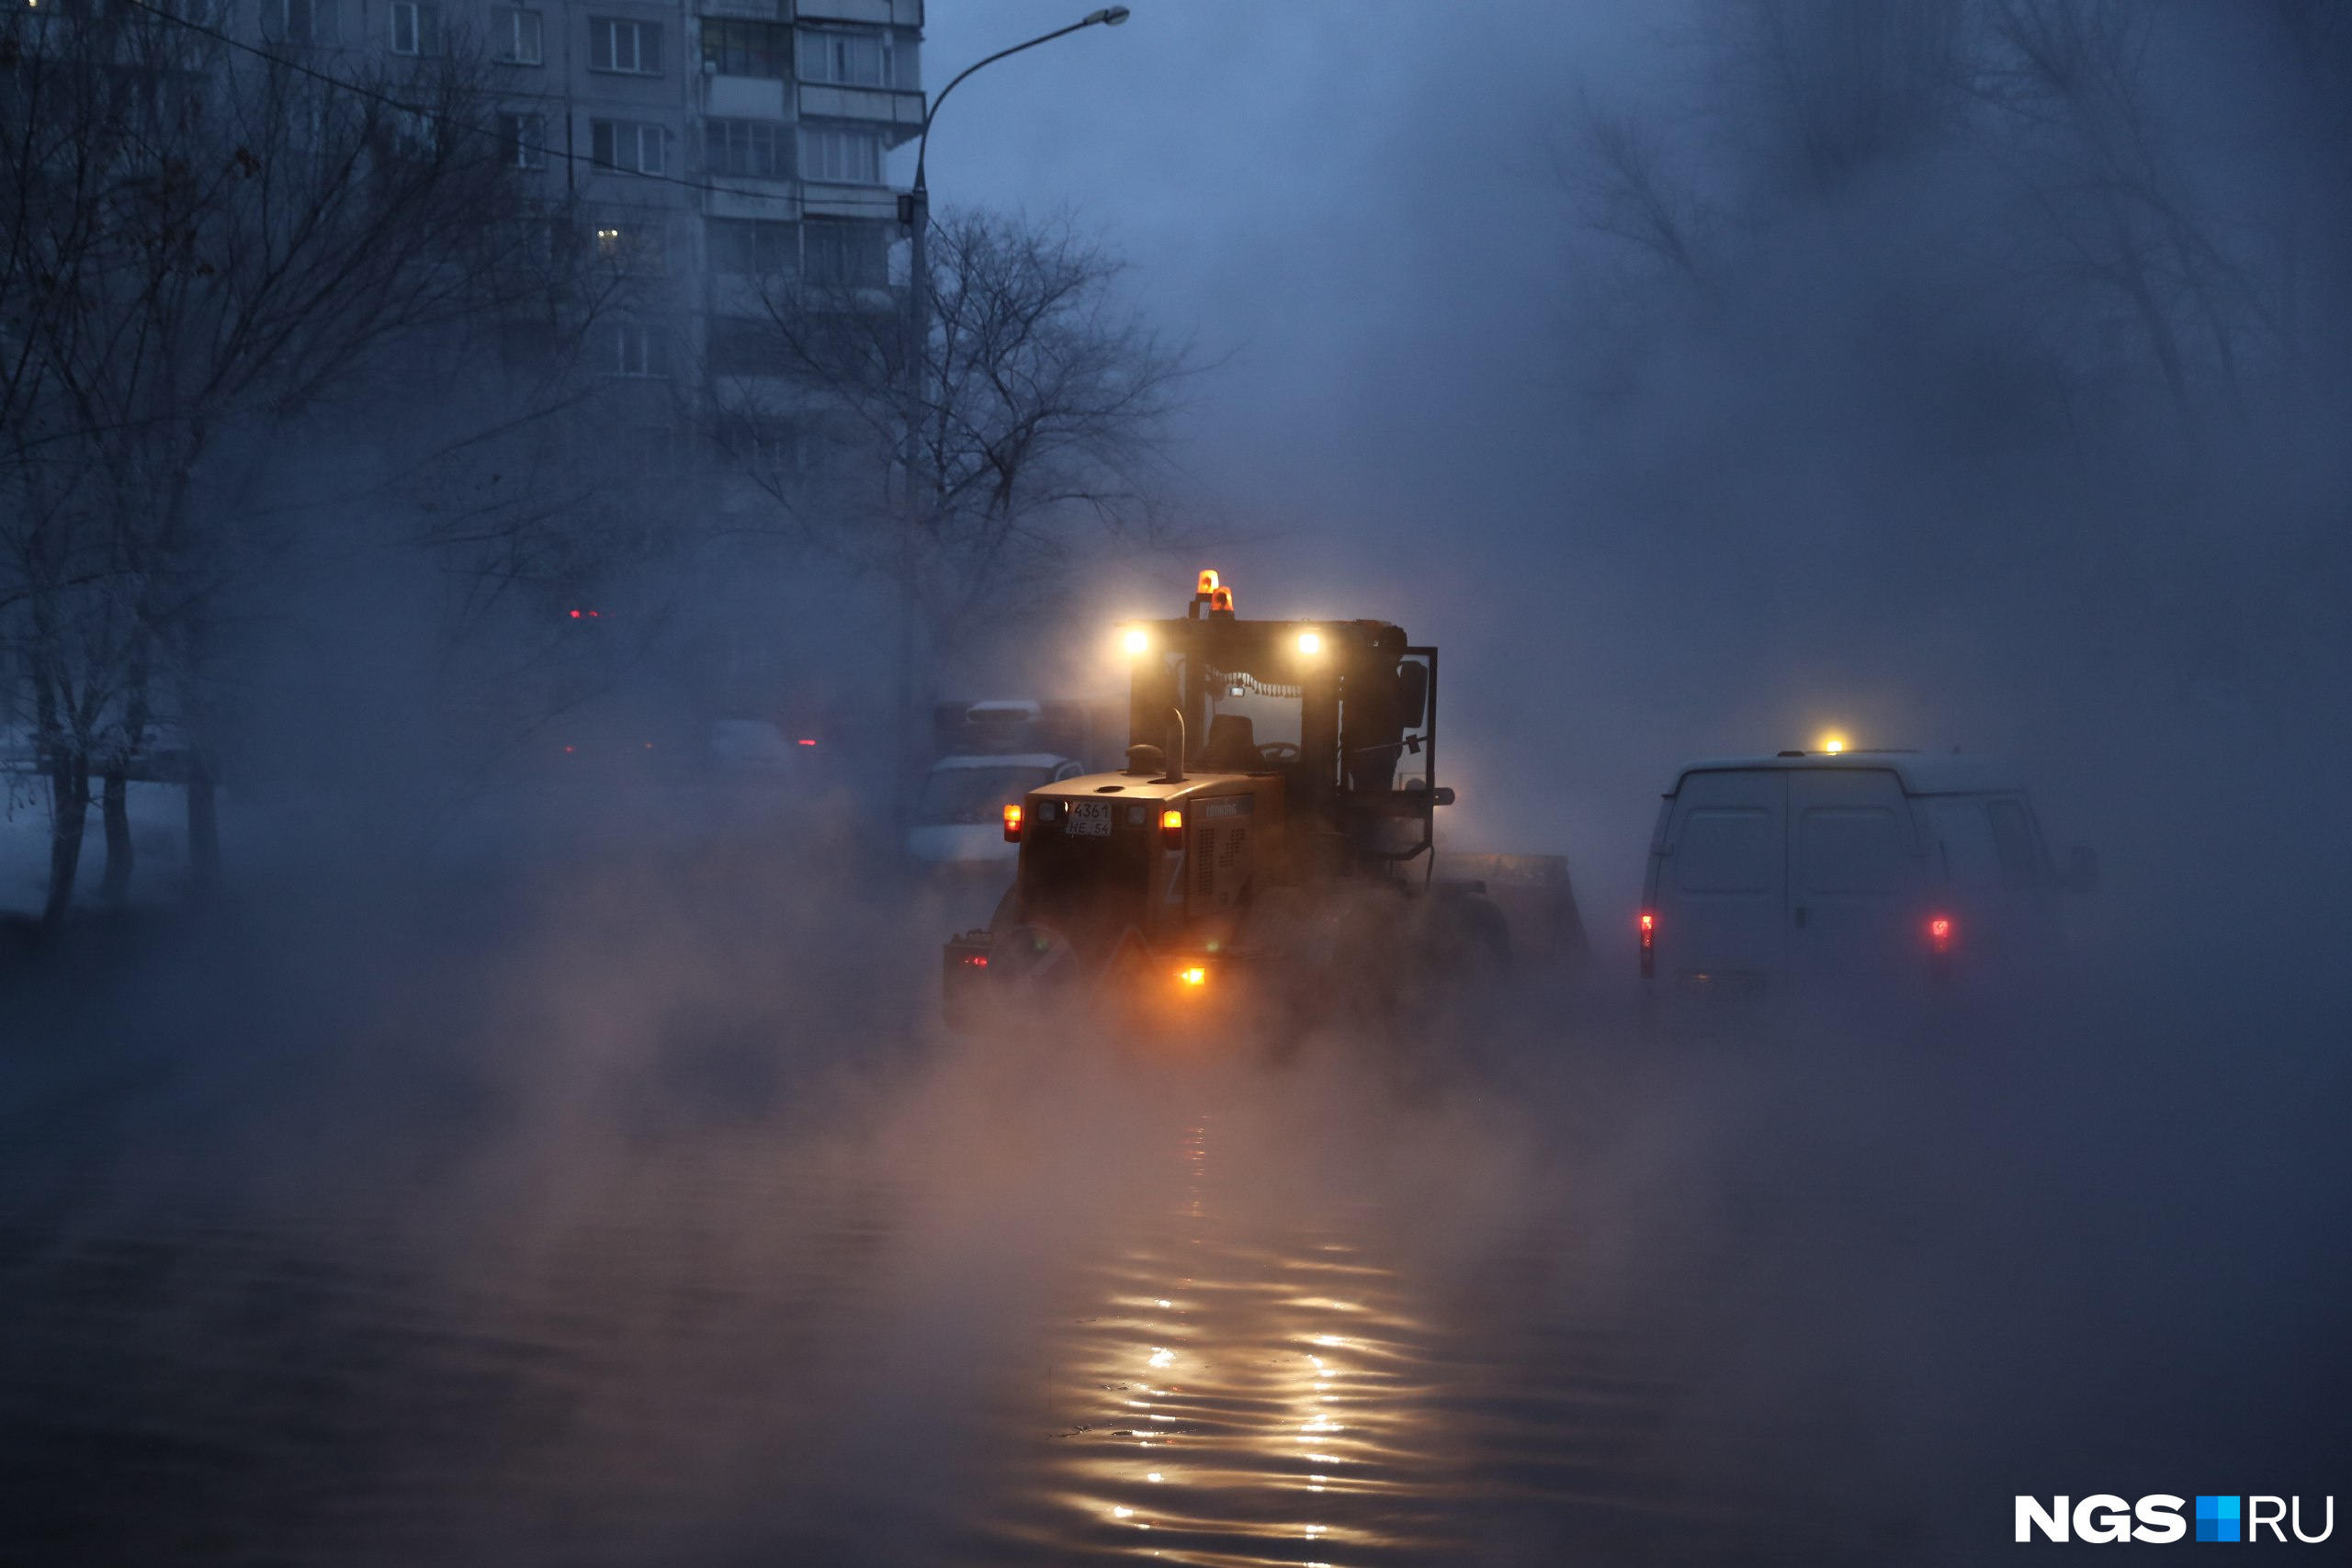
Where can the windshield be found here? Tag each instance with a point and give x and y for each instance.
(1272, 709)
(977, 794)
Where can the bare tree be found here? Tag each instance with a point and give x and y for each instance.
(1822, 93)
(2105, 196)
(1623, 183)
(1791, 106)
(210, 245)
(1039, 424)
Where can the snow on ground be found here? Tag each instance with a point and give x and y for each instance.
(158, 835)
(284, 830)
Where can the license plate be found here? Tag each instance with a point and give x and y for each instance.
(1091, 819)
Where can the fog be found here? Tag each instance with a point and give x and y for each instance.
(512, 1166)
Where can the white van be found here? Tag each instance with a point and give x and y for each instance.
(1817, 876)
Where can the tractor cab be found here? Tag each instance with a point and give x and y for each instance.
(1266, 761)
(1344, 713)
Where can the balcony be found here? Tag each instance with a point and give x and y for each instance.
(902, 12)
(876, 204)
(898, 111)
(743, 98)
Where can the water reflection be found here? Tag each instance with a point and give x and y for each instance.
(1233, 1395)
(732, 1353)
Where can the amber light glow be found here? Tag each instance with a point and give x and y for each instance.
(1013, 823)
(1310, 643)
(1194, 975)
(1137, 641)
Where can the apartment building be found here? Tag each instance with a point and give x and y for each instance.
(713, 140)
(707, 148)
(710, 150)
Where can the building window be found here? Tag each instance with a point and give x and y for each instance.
(756, 149)
(754, 247)
(838, 155)
(306, 125)
(739, 346)
(525, 137)
(415, 135)
(632, 147)
(301, 21)
(633, 49)
(631, 247)
(771, 450)
(733, 48)
(847, 58)
(514, 37)
(854, 255)
(624, 347)
(416, 27)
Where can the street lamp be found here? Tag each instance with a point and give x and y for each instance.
(1109, 16)
(914, 211)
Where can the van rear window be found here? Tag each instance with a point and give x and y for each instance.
(2013, 835)
(1852, 848)
(1726, 850)
(1988, 844)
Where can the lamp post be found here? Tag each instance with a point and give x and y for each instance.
(914, 212)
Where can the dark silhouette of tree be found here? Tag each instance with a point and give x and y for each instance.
(208, 245)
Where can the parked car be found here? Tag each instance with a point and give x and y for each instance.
(759, 747)
(992, 754)
(1817, 877)
(959, 818)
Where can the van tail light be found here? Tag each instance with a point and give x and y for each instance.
(1940, 931)
(1649, 945)
(1171, 828)
(1013, 823)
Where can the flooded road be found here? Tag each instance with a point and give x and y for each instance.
(951, 1327)
(639, 1243)
(1231, 1393)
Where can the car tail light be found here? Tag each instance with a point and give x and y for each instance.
(1171, 828)
(976, 961)
(1649, 945)
(1013, 823)
(1942, 929)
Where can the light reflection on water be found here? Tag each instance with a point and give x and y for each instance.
(1229, 1395)
(737, 1358)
